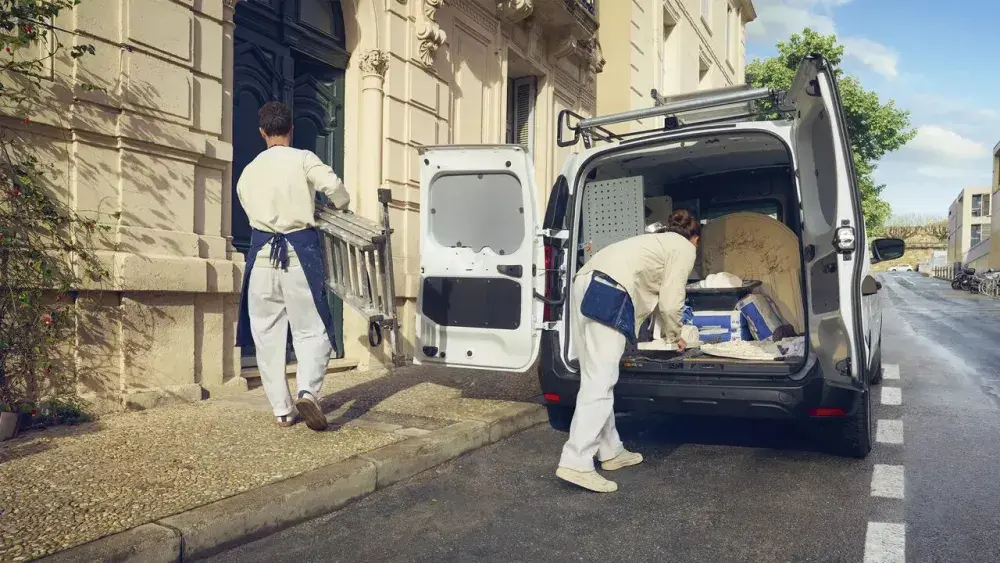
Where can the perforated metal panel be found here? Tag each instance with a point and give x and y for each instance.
(612, 211)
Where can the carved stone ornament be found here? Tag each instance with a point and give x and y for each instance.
(374, 62)
(429, 33)
(230, 3)
(515, 11)
(565, 47)
(596, 56)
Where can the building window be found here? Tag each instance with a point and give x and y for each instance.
(981, 205)
(978, 233)
(706, 13)
(669, 82)
(704, 70)
(521, 93)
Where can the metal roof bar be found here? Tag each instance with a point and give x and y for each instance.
(677, 104)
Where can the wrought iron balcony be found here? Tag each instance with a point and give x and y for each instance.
(589, 5)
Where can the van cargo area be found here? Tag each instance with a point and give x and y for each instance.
(741, 185)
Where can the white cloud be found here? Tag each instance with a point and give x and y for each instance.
(778, 19)
(872, 54)
(937, 141)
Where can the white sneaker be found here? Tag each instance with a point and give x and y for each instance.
(590, 480)
(624, 459)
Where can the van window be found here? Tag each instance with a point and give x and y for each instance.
(477, 211)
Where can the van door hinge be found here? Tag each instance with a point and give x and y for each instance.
(560, 234)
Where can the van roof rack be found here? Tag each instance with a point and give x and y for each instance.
(720, 105)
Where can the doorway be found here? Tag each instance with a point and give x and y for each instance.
(292, 52)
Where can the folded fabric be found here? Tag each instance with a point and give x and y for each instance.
(721, 280)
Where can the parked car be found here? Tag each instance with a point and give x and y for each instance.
(495, 276)
(900, 268)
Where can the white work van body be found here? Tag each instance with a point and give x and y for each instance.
(489, 263)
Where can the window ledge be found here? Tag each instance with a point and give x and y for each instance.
(708, 26)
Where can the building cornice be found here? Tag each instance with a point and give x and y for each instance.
(747, 10)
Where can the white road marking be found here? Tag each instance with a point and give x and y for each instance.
(889, 431)
(885, 543)
(892, 395)
(890, 371)
(888, 481)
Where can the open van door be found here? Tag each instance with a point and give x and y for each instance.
(480, 259)
(833, 232)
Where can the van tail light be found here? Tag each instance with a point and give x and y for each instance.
(551, 397)
(821, 411)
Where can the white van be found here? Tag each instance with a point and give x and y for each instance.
(495, 276)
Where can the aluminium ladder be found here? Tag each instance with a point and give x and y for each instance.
(357, 257)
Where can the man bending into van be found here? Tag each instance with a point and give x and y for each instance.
(286, 286)
(613, 294)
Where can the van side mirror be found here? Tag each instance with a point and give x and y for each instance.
(884, 249)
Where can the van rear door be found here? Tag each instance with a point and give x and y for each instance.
(833, 232)
(480, 259)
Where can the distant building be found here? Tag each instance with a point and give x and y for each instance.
(969, 227)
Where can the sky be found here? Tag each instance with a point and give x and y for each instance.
(937, 60)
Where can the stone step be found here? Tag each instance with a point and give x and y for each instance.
(252, 375)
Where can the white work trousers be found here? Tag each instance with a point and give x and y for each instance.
(277, 298)
(599, 349)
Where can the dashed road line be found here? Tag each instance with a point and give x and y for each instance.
(888, 481)
(889, 431)
(885, 542)
(890, 371)
(892, 396)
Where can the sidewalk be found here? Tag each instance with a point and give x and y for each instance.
(68, 486)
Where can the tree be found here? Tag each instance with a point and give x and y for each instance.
(45, 248)
(874, 128)
(909, 226)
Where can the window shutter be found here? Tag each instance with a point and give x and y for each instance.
(524, 112)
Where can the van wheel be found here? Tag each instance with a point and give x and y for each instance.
(852, 437)
(560, 417)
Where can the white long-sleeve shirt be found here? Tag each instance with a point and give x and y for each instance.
(653, 269)
(278, 189)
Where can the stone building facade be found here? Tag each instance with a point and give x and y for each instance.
(155, 155)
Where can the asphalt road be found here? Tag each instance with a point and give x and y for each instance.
(718, 491)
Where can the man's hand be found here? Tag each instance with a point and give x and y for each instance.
(681, 345)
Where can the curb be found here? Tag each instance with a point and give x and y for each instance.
(212, 528)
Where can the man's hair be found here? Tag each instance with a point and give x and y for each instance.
(275, 119)
(683, 223)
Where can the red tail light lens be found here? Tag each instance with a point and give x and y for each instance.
(551, 397)
(827, 412)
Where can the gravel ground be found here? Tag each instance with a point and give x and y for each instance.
(67, 486)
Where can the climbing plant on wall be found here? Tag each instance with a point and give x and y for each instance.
(46, 253)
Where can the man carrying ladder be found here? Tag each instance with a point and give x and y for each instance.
(278, 192)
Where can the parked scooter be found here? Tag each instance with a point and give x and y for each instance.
(964, 279)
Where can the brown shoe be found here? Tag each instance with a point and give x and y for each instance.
(286, 420)
(310, 411)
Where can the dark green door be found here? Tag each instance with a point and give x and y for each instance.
(318, 112)
(282, 53)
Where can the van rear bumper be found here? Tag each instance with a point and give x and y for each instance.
(791, 398)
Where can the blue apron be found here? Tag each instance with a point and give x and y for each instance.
(610, 305)
(307, 248)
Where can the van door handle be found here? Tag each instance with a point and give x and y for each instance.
(512, 270)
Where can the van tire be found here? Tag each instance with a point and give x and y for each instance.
(852, 436)
(876, 376)
(560, 417)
